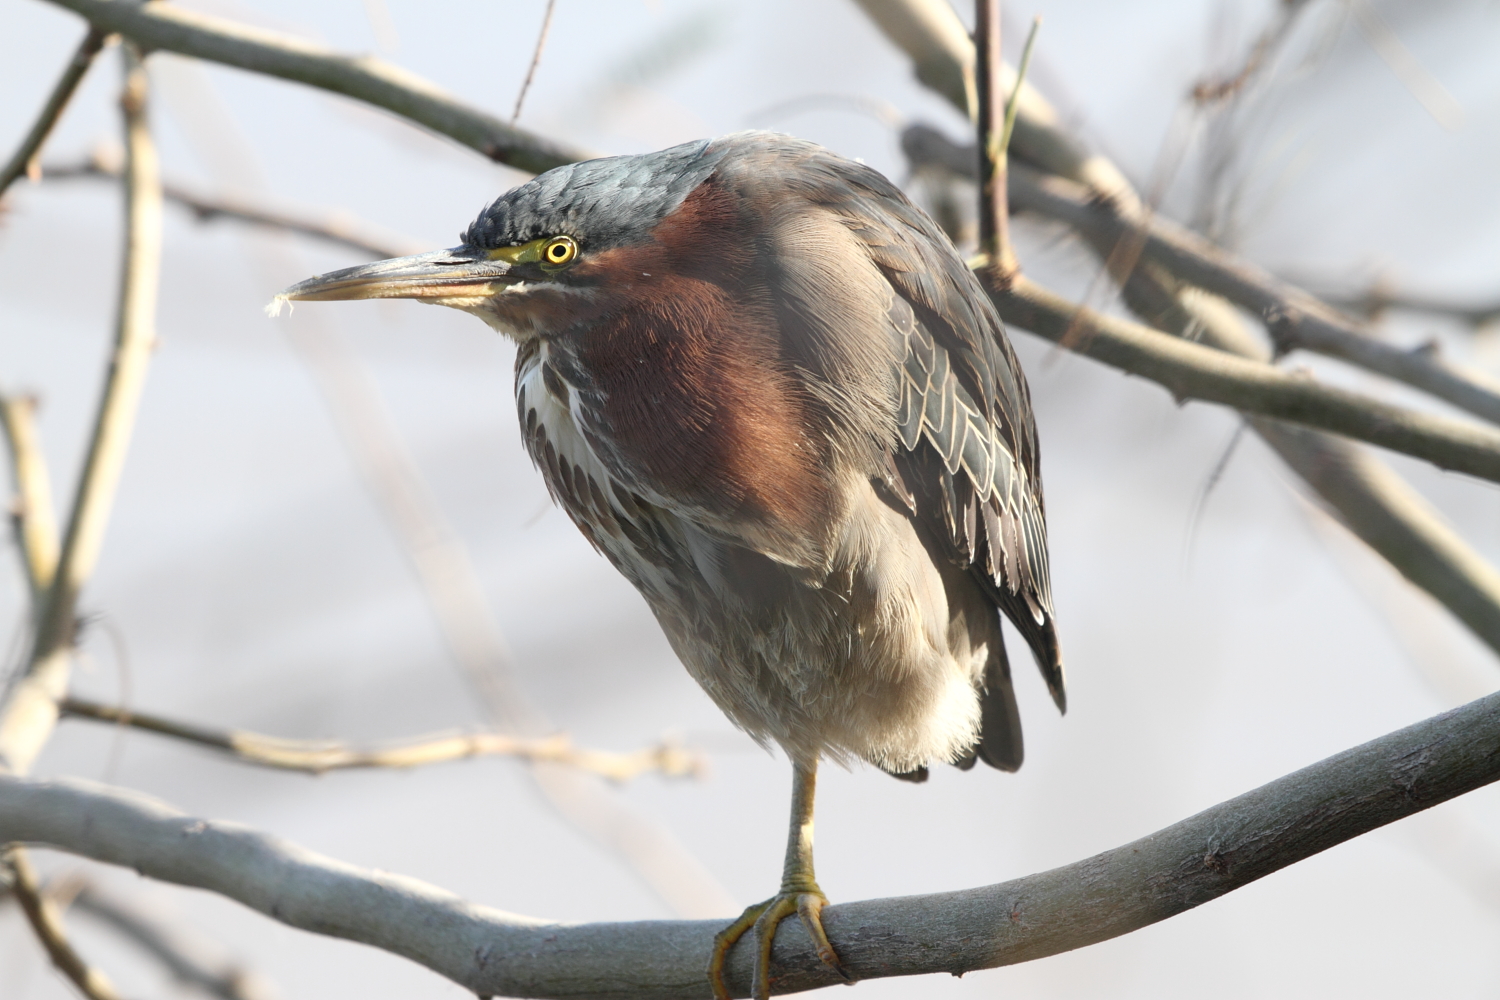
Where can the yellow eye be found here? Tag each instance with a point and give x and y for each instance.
(559, 251)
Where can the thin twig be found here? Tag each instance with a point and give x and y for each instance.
(47, 924)
(994, 167)
(29, 714)
(1419, 82)
(364, 78)
(226, 980)
(1214, 90)
(1380, 299)
(536, 59)
(318, 756)
(337, 228)
(492, 953)
(24, 159)
(994, 213)
(33, 519)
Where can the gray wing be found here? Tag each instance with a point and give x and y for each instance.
(968, 447)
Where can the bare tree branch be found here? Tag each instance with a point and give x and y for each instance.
(1212, 90)
(1377, 505)
(29, 713)
(940, 48)
(1109, 205)
(364, 78)
(1293, 317)
(215, 977)
(994, 211)
(23, 160)
(1380, 299)
(1191, 371)
(339, 229)
(32, 517)
(47, 924)
(536, 60)
(490, 952)
(318, 756)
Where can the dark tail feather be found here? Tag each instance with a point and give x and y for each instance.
(915, 777)
(1043, 642)
(1000, 719)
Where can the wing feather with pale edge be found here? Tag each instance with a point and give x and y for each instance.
(965, 422)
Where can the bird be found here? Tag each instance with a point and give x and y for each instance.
(768, 389)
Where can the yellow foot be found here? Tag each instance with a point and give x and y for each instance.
(765, 917)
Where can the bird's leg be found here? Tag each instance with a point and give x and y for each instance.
(799, 894)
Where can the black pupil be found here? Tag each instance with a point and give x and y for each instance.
(559, 251)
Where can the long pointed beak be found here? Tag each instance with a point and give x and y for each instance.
(459, 276)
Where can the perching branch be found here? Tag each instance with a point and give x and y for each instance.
(490, 952)
(47, 924)
(1191, 371)
(364, 78)
(318, 756)
(336, 228)
(29, 714)
(24, 159)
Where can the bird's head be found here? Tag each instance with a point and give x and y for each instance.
(547, 254)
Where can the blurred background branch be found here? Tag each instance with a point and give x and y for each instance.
(25, 159)
(46, 923)
(28, 712)
(318, 756)
(334, 228)
(364, 78)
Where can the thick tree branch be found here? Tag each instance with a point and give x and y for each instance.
(1372, 501)
(29, 713)
(1375, 503)
(1191, 371)
(318, 756)
(23, 160)
(47, 924)
(490, 952)
(364, 78)
(1294, 318)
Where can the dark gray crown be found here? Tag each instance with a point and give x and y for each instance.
(600, 203)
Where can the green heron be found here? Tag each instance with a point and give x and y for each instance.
(766, 387)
